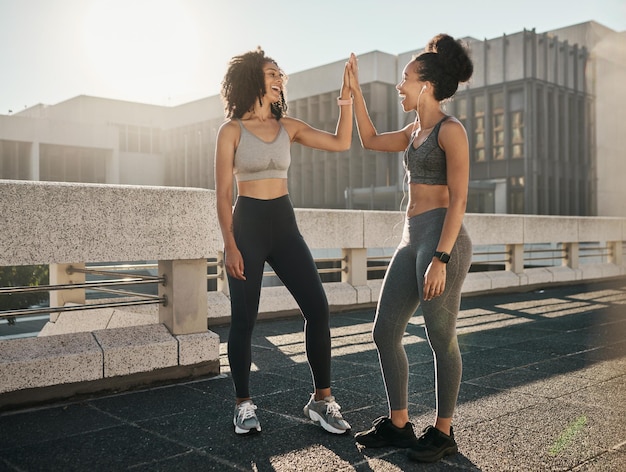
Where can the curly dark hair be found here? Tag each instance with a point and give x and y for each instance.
(244, 84)
(445, 63)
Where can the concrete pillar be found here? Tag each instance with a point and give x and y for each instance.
(186, 311)
(616, 255)
(516, 261)
(354, 266)
(222, 279)
(571, 255)
(59, 275)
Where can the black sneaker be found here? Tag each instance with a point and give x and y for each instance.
(433, 445)
(384, 433)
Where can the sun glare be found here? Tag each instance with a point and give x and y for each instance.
(143, 50)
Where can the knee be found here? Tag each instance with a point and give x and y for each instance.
(382, 337)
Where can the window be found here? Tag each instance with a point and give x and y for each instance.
(517, 134)
(497, 122)
(479, 129)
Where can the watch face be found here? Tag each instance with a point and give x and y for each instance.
(442, 256)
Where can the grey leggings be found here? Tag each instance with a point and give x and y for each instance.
(401, 294)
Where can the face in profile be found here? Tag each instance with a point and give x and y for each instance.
(275, 80)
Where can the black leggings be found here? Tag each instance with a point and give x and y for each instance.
(266, 231)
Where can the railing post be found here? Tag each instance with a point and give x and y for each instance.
(222, 279)
(59, 275)
(185, 287)
(616, 255)
(354, 266)
(515, 263)
(571, 255)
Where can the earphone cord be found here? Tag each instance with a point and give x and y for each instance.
(417, 124)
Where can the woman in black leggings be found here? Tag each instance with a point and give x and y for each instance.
(433, 258)
(254, 146)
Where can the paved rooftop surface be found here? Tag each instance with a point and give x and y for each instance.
(544, 389)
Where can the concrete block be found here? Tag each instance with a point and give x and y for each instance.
(78, 321)
(591, 271)
(137, 349)
(324, 229)
(363, 294)
(382, 228)
(375, 286)
(274, 299)
(198, 347)
(598, 271)
(495, 229)
(539, 276)
(564, 274)
(339, 293)
(544, 229)
(43, 361)
(600, 229)
(125, 318)
(503, 279)
(218, 305)
(476, 282)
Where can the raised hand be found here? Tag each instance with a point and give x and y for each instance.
(353, 70)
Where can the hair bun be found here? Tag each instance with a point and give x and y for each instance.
(453, 56)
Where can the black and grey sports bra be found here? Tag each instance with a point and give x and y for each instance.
(426, 164)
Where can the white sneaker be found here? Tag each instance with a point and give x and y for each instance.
(326, 413)
(245, 419)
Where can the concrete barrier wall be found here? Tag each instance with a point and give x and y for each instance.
(50, 222)
(64, 223)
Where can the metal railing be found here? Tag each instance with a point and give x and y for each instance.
(121, 277)
(100, 285)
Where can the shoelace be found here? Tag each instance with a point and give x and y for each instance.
(332, 409)
(247, 411)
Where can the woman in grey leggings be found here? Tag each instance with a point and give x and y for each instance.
(434, 256)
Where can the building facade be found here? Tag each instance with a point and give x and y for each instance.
(541, 112)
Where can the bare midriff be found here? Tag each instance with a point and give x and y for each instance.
(423, 197)
(264, 189)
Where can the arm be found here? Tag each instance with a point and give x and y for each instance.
(227, 138)
(453, 140)
(395, 141)
(306, 135)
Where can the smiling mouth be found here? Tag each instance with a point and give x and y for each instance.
(276, 88)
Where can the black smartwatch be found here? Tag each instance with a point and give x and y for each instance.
(442, 256)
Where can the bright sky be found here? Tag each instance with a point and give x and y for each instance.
(168, 52)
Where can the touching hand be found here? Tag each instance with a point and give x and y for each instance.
(345, 84)
(353, 70)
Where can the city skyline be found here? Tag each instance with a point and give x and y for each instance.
(167, 52)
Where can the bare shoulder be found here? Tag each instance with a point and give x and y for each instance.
(229, 131)
(452, 128)
(229, 126)
(293, 125)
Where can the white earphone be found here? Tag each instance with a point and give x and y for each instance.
(424, 88)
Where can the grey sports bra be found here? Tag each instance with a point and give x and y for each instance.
(256, 159)
(426, 164)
